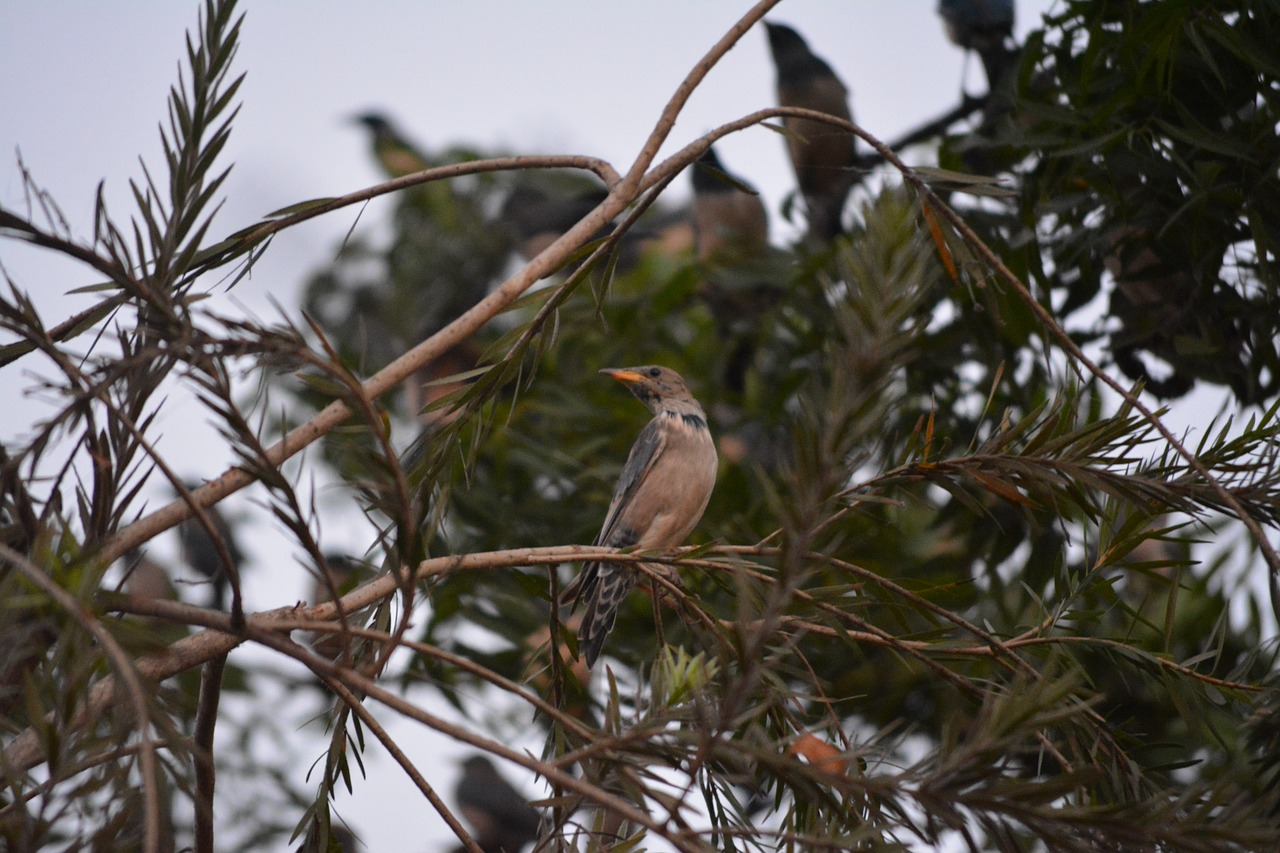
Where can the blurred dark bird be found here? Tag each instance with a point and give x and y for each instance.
(201, 552)
(394, 153)
(146, 578)
(662, 493)
(536, 219)
(822, 156)
(500, 816)
(731, 230)
(342, 574)
(729, 219)
(986, 28)
(344, 838)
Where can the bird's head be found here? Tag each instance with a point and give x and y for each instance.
(373, 121)
(710, 175)
(655, 386)
(783, 40)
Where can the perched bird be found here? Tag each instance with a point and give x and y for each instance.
(536, 219)
(146, 578)
(985, 27)
(731, 231)
(729, 219)
(343, 574)
(663, 490)
(822, 156)
(394, 153)
(501, 817)
(201, 552)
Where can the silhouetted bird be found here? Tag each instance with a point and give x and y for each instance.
(394, 153)
(500, 816)
(985, 27)
(201, 553)
(822, 156)
(729, 219)
(731, 230)
(344, 573)
(535, 219)
(146, 578)
(344, 837)
(662, 493)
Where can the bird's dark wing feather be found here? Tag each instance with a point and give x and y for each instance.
(644, 455)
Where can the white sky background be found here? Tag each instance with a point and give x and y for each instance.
(86, 86)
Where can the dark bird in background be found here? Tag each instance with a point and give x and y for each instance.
(201, 553)
(536, 219)
(823, 156)
(500, 816)
(986, 28)
(344, 838)
(146, 578)
(661, 495)
(343, 574)
(729, 219)
(731, 233)
(397, 156)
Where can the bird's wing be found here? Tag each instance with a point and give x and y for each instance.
(645, 453)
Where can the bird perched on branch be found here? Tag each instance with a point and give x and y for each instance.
(823, 156)
(986, 28)
(341, 574)
(397, 156)
(729, 219)
(202, 553)
(536, 219)
(731, 232)
(501, 817)
(663, 490)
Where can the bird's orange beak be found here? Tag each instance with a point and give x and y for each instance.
(627, 376)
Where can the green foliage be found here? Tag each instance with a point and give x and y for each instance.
(1144, 138)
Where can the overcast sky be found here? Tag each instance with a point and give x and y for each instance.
(86, 83)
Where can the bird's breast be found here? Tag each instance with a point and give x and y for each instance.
(679, 486)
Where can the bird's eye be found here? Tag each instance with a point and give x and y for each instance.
(655, 372)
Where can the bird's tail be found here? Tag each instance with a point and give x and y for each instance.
(612, 583)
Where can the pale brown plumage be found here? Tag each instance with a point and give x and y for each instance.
(729, 219)
(662, 493)
(823, 156)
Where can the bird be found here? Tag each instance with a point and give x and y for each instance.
(729, 219)
(146, 578)
(986, 28)
(661, 495)
(501, 817)
(201, 552)
(823, 157)
(343, 573)
(397, 156)
(536, 219)
(731, 231)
